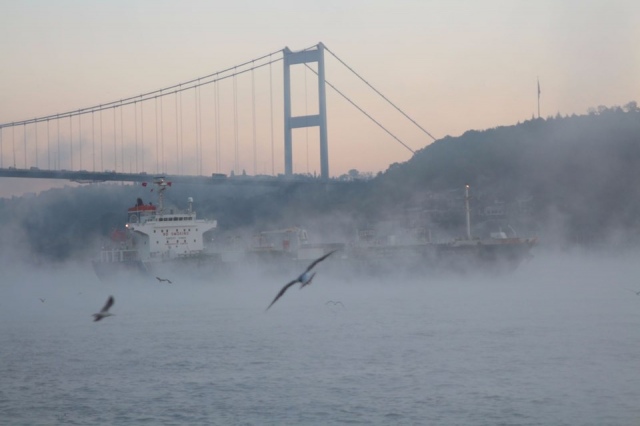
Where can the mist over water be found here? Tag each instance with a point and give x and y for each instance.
(557, 342)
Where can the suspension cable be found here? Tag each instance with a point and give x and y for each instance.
(364, 112)
(381, 95)
(150, 95)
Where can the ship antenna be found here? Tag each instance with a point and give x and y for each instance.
(162, 185)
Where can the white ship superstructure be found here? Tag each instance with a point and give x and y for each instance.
(155, 235)
(160, 235)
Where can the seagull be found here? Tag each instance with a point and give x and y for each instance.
(163, 279)
(331, 302)
(636, 292)
(104, 312)
(304, 279)
(42, 300)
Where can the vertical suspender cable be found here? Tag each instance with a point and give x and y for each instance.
(135, 109)
(93, 138)
(58, 150)
(48, 147)
(115, 153)
(181, 137)
(195, 104)
(13, 144)
(200, 127)
(36, 132)
(24, 128)
(273, 169)
(79, 139)
(122, 137)
(306, 113)
(164, 164)
(253, 99)
(1, 154)
(217, 121)
(101, 146)
(71, 141)
(141, 136)
(235, 123)
(177, 139)
(157, 151)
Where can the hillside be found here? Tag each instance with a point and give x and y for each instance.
(583, 171)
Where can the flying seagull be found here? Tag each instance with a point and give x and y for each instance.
(163, 279)
(41, 299)
(104, 312)
(331, 302)
(636, 292)
(304, 279)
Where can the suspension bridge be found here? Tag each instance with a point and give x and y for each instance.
(188, 131)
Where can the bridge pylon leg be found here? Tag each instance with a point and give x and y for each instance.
(319, 120)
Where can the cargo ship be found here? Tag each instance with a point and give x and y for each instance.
(166, 243)
(156, 240)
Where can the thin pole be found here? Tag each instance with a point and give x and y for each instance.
(25, 145)
(539, 97)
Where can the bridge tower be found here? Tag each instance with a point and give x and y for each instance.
(320, 119)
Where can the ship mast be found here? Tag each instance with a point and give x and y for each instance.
(467, 210)
(162, 185)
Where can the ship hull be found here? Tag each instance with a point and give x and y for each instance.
(459, 256)
(118, 271)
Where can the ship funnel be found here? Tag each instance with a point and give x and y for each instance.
(190, 201)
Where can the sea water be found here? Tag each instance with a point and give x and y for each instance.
(555, 343)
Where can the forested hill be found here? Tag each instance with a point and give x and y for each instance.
(585, 169)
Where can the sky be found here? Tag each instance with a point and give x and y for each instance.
(451, 66)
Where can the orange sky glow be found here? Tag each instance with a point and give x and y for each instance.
(451, 66)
